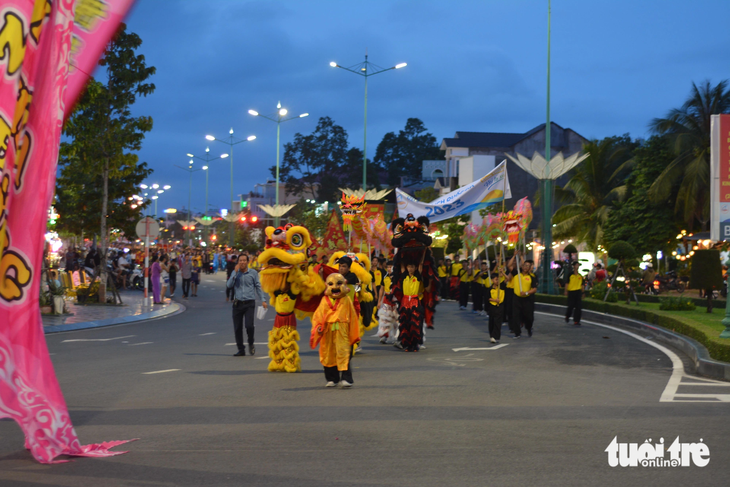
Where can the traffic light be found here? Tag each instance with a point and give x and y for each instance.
(213, 238)
(254, 219)
(243, 219)
(244, 204)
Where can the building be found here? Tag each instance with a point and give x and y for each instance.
(470, 155)
(265, 194)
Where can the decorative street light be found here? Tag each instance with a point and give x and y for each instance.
(207, 160)
(363, 69)
(190, 170)
(155, 190)
(231, 141)
(279, 118)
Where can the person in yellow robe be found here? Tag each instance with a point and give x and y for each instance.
(335, 328)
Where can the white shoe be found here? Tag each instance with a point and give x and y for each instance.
(358, 350)
(346, 384)
(383, 339)
(493, 340)
(422, 347)
(331, 384)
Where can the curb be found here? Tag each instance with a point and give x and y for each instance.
(704, 365)
(171, 310)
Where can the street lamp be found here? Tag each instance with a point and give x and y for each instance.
(279, 118)
(207, 160)
(231, 142)
(363, 69)
(154, 190)
(190, 170)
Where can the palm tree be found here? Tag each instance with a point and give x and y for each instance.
(689, 130)
(593, 186)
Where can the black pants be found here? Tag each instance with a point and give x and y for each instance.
(331, 374)
(477, 296)
(464, 293)
(523, 313)
(186, 287)
(243, 309)
(173, 283)
(495, 320)
(444, 287)
(575, 303)
(509, 295)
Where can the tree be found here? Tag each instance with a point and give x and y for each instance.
(426, 194)
(688, 128)
(103, 131)
(595, 184)
(305, 214)
(645, 225)
(317, 158)
(402, 154)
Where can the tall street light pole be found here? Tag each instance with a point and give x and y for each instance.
(546, 280)
(231, 141)
(155, 190)
(278, 119)
(207, 160)
(363, 69)
(190, 170)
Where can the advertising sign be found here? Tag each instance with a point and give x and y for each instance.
(720, 178)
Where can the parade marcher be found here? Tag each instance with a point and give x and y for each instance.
(195, 278)
(336, 329)
(411, 313)
(173, 277)
(246, 290)
(574, 291)
(387, 309)
(477, 286)
(455, 281)
(524, 283)
(465, 276)
(443, 274)
(495, 307)
(509, 292)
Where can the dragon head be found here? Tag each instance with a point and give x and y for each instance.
(286, 250)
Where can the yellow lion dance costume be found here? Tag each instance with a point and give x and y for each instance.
(364, 297)
(295, 291)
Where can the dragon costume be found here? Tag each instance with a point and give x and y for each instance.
(295, 291)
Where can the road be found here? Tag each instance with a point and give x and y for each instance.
(534, 411)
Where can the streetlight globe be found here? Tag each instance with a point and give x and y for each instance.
(155, 186)
(223, 156)
(160, 191)
(189, 155)
(283, 111)
(205, 168)
(191, 162)
(143, 186)
(207, 149)
(210, 137)
(130, 198)
(303, 115)
(167, 186)
(401, 65)
(154, 197)
(251, 137)
(254, 113)
(333, 64)
(231, 131)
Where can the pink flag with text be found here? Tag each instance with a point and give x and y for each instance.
(36, 40)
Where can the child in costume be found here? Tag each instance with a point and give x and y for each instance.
(335, 328)
(410, 327)
(387, 310)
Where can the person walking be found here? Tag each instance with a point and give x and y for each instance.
(574, 291)
(455, 280)
(495, 307)
(443, 277)
(186, 269)
(164, 276)
(465, 275)
(246, 287)
(173, 277)
(477, 286)
(155, 278)
(524, 283)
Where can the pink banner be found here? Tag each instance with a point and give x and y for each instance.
(36, 40)
(95, 23)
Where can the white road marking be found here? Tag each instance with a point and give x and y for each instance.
(204, 334)
(160, 371)
(670, 393)
(97, 339)
(261, 358)
(142, 343)
(208, 280)
(452, 362)
(255, 343)
(496, 347)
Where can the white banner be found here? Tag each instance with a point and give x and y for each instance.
(489, 189)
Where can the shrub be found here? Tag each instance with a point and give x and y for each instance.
(621, 250)
(676, 304)
(599, 291)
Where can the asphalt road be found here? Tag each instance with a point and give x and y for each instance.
(535, 411)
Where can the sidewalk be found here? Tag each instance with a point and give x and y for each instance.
(93, 316)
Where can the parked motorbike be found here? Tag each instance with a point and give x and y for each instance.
(669, 282)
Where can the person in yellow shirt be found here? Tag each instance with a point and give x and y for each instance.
(411, 312)
(509, 292)
(524, 284)
(455, 280)
(443, 273)
(574, 291)
(387, 309)
(464, 282)
(495, 305)
(477, 286)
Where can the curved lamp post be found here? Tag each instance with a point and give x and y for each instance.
(279, 118)
(231, 141)
(190, 170)
(364, 70)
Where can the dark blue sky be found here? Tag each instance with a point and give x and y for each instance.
(472, 66)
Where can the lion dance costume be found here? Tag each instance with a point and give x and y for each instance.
(335, 328)
(417, 298)
(295, 291)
